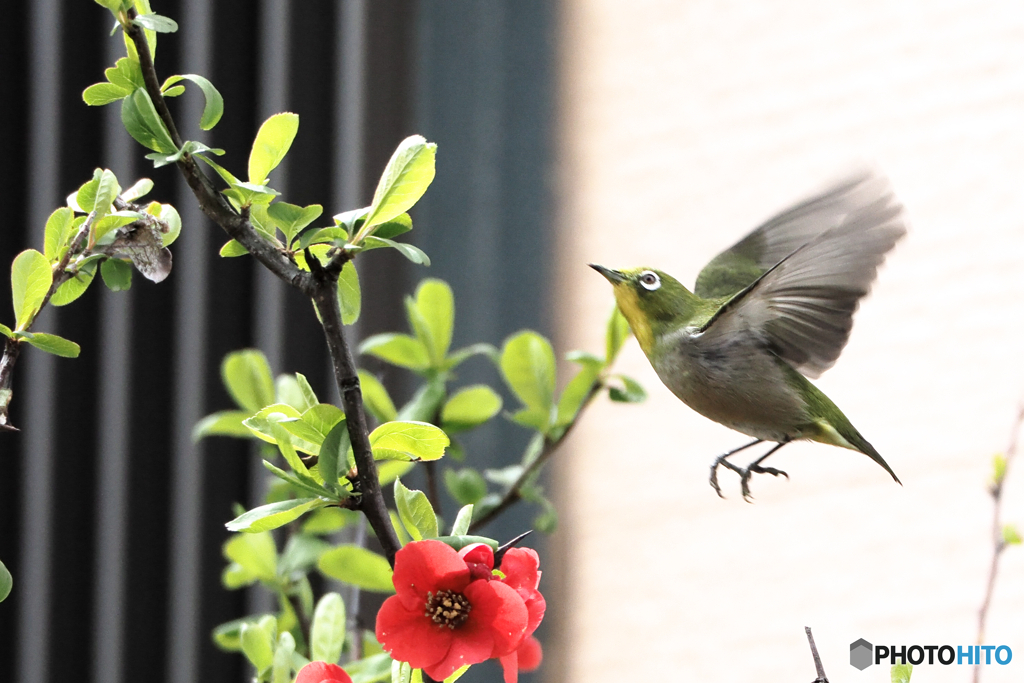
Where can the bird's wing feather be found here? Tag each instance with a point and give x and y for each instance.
(802, 307)
(747, 260)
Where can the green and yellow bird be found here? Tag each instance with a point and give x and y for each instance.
(775, 308)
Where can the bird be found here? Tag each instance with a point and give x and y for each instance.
(771, 311)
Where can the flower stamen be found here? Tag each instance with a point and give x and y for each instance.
(447, 608)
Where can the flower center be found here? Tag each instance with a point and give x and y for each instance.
(448, 608)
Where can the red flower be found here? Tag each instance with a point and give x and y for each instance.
(520, 567)
(322, 672)
(444, 617)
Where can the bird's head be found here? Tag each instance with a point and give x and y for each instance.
(652, 301)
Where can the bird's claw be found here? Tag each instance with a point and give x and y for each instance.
(713, 479)
(745, 474)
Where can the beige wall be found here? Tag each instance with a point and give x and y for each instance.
(684, 125)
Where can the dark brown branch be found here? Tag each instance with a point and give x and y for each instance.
(998, 542)
(514, 493)
(371, 501)
(818, 668)
(212, 202)
(320, 285)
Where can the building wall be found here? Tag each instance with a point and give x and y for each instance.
(684, 124)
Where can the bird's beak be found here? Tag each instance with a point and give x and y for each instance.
(613, 276)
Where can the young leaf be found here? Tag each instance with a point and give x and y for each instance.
(156, 22)
(214, 107)
(283, 658)
(414, 254)
(528, 365)
(106, 191)
(57, 233)
(258, 646)
(272, 143)
(376, 398)
(436, 306)
(349, 295)
(397, 349)
(75, 286)
(255, 552)
(51, 343)
(143, 123)
(274, 515)
(288, 390)
(6, 331)
(222, 423)
(405, 179)
(327, 634)
(292, 218)
(169, 215)
(401, 672)
(1010, 535)
(322, 417)
(334, 454)
(900, 673)
(408, 441)
(470, 407)
(246, 375)
(357, 566)
(31, 278)
(416, 513)
(462, 521)
(457, 675)
(6, 582)
(631, 392)
(615, 336)
(233, 248)
(467, 486)
(141, 188)
(117, 274)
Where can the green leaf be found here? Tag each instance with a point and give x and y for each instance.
(141, 188)
(397, 349)
(283, 654)
(31, 278)
(255, 552)
(390, 470)
(900, 673)
(99, 94)
(156, 22)
(214, 107)
(106, 191)
(631, 392)
(228, 635)
(222, 423)
(462, 521)
(246, 375)
(414, 254)
(327, 521)
(528, 365)
(258, 646)
(575, 394)
(307, 391)
(376, 398)
(169, 215)
(399, 225)
(143, 123)
(401, 672)
(233, 248)
(6, 331)
(436, 306)
(615, 335)
(322, 417)
(51, 343)
(187, 147)
(58, 231)
(460, 542)
(273, 141)
(75, 287)
(998, 468)
(408, 441)
(373, 669)
(416, 513)
(300, 554)
(457, 675)
(6, 582)
(357, 566)
(405, 179)
(126, 74)
(117, 274)
(467, 486)
(112, 222)
(327, 634)
(349, 294)
(334, 454)
(425, 403)
(470, 407)
(291, 218)
(1010, 535)
(302, 483)
(274, 515)
(288, 389)
(460, 356)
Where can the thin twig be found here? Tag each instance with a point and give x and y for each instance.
(998, 542)
(514, 493)
(818, 668)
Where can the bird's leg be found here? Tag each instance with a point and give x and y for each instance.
(721, 460)
(756, 468)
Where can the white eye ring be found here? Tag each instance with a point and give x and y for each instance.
(649, 280)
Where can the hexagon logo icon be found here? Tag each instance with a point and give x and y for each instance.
(860, 654)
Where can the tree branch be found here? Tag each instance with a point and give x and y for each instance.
(514, 494)
(998, 542)
(819, 669)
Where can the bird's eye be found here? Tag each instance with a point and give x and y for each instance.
(649, 280)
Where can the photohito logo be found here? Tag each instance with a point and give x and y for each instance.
(863, 654)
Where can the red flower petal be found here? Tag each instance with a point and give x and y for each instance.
(519, 565)
(530, 654)
(472, 643)
(502, 610)
(427, 566)
(480, 559)
(535, 607)
(322, 672)
(510, 667)
(410, 636)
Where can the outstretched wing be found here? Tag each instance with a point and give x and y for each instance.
(803, 305)
(751, 257)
